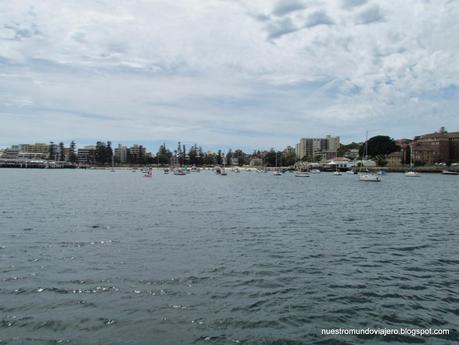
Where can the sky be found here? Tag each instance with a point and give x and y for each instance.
(251, 74)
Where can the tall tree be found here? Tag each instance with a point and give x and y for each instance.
(108, 152)
(51, 151)
(164, 155)
(378, 146)
(61, 152)
(72, 154)
(101, 153)
(229, 155)
(219, 157)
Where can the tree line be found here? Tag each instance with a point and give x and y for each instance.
(103, 154)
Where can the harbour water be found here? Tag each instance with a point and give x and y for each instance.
(94, 257)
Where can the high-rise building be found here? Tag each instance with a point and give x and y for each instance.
(121, 154)
(313, 149)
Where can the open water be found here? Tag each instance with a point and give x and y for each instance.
(94, 257)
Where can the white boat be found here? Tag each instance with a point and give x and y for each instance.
(337, 173)
(411, 172)
(449, 172)
(236, 170)
(179, 172)
(350, 172)
(368, 176)
(315, 171)
(113, 164)
(301, 174)
(220, 171)
(277, 171)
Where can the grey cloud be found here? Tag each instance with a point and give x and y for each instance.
(281, 27)
(23, 33)
(318, 18)
(349, 4)
(370, 15)
(284, 7)
(261, 17)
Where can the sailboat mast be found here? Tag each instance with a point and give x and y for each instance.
(366, 146)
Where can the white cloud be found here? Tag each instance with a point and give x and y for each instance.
(250, 73)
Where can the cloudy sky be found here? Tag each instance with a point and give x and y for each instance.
(229, 73)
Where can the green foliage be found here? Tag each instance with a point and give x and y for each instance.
(345, 148)
(72, 154)
(379, 145)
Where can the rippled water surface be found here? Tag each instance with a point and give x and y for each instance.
(94, 257)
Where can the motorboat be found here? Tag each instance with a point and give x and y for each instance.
(369, 177)
(301, 174)
(449, 172)
(179, 172)
(412, 173)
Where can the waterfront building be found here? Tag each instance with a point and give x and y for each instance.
(340, 163)
(256, 162)
(394, 159)
(121, 154)
(31, 155)
(34, 148)
(234, 161)
(11, 153)
(136, 154)
(87, 154)
(352, 154)
(317, 149)
(438, 147)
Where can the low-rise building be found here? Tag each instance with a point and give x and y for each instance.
(256, 162)
(438, 147)
(87, 154)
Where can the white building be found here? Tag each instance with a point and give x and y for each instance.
(121, 154)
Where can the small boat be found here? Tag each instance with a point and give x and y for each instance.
(369, 177)
(412, 173)
(277, 171)
(179, 172)
(449, 172)
(337, 173)
(236, 170)
(350, 172)
(315, 171)
(301, 174)
(166, 170)
(149, 172)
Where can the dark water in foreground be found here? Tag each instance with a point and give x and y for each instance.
(93, 257)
